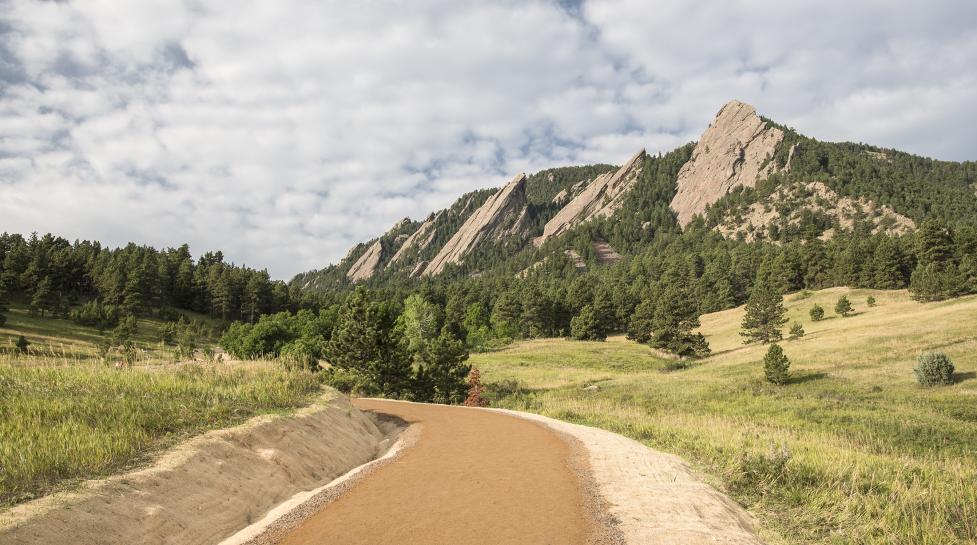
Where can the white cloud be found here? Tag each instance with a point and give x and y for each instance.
(284, 132)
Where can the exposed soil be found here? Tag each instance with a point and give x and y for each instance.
(472, 477)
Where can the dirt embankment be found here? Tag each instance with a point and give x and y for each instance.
(208, 488)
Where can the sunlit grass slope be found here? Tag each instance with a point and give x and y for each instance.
(67, 414)
(851, 451)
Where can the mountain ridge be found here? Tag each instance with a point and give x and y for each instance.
(730, 180)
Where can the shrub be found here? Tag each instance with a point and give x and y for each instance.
(843, 306)
(347, 380)
(796, 331)
(23, 344)
(776, 365)
(870, 301)
(95, 314)
(475, 390)
(933, 369)
(817, 313)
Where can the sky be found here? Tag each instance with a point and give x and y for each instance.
(283, 132)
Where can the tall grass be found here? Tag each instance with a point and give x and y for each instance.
(61, 423)
(851, 451)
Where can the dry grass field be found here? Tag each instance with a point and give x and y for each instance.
(852, 450)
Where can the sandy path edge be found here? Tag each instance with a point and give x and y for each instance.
(653, 497)
(288, 515)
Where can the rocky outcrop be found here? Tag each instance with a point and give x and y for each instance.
(733, 151)
(601, 198)
(789, 205)
(367, 264)
(491, 221)
(420, 239)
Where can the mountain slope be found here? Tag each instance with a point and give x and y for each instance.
(748, 177)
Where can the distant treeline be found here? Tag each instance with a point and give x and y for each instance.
(52, 274)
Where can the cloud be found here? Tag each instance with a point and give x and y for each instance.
(284, 132)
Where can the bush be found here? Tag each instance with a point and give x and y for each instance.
(933, 369)
(347, 380)
(817, 313)
(870, 301)
(23, 344)
(95, 314)
(776, 365)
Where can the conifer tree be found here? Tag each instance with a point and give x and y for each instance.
(817, 313)
(3, 305)
(843, 306)
(640, 325)
(776, 365)
(365, 339)
(441, 363)
(796, 331)
(43, 299)
(765, 314)
(674, 320)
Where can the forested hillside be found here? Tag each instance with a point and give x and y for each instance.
(51, 275)
(814, 215)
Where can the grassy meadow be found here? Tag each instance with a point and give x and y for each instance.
(67, 413)
(852, 450)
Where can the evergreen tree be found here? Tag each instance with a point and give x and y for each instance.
(641, 323)
(843, 306)
(44, 298)
(870, 301)
(506, 315)
(23, 344)
(817, 313)
(776, 365)
(765, 314)
(587, 326)
(366, 340)
(675, 318)
(796, 331)
(442, 369)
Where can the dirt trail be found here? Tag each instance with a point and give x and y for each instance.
(473, 477)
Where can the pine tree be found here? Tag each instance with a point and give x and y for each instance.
(3, 305)
(843, 306)
(587, 326)
(640, 325)
(817, 313)
(441, 364)
(796, 331)
(870, 301)
(676, 316)
(765, 315)
(506, 315)
(366, 340)
(43, 299)
(776, 365)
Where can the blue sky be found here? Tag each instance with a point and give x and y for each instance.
(284, 132)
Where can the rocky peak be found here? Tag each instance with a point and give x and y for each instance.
(495, 219)
(420, 239)
(367, 264)
(731, 152)
(601, 198)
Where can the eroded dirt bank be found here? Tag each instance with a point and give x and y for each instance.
(208, 488)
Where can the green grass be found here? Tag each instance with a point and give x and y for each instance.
(56, 340)
(851, 451)
(59, 424)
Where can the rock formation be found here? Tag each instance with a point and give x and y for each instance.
(731, 152)
(420, 239)
(367, 264)
(493, 220)
(601, 198)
